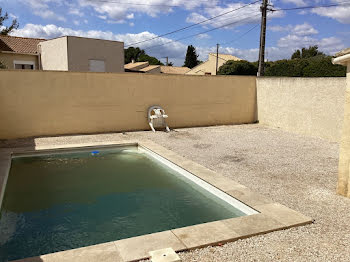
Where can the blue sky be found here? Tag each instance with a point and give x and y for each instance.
(136, 20)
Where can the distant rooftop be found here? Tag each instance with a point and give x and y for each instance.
(148, 68)
(343, 52)
(225, 57)
(21, 45)
(136, 65)
(175, 70)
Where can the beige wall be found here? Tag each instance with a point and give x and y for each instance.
(81, 50)
(72, 53)
(8, 59)
(54, 54)
(309, 106)
(51, 103)
(343, 187)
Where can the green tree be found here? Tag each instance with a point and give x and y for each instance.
(150, 59)
(322, 66)
(296, 54)
(312, 51)
(316, 66)
(191, 59)
(132, 53)
(139, 55)
(241, 67)
(5, 30)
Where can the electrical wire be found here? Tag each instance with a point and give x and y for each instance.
(200, 33)
(311, 7)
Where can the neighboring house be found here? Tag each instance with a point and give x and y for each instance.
(67, 53)
(19, 52)
(174, 70)
(142, 67)
(209, 67)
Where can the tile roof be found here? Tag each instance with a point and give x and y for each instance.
(176, 70)
(136, 66)
(149, 68)
(19, 44)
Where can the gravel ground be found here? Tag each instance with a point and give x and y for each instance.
(297, 171)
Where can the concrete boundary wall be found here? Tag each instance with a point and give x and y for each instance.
(36, 103)
(309, 106)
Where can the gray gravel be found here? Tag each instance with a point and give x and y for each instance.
(297, 171)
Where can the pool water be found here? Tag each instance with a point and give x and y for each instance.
(69, 200)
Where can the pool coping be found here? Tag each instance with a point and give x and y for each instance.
(272, 216)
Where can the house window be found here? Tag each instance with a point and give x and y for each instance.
(24, 65)
(97, 66)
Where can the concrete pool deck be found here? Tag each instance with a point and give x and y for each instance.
(274, 163)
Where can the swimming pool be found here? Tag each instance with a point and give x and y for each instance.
(68, 199)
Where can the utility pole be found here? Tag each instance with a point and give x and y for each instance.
(167, 60)
(217, 58)
(263, 9)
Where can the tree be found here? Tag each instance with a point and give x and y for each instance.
(316, 66)
(191, 59)
(170, 64)
(132, 53)
(312, 51)
(139, 55)
(241, 67)
(150, 59)
(4, 30)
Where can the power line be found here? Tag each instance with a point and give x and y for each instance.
(186, 27)
(200, 33)
(311, 7)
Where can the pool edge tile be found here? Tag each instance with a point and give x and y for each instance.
(206, 234)
(283, 214)
(137, 248)
(106, 252)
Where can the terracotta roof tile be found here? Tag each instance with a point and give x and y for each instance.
(19, 44)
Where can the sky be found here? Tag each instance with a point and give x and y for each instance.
(237, 32)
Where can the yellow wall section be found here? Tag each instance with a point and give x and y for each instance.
(8, 58)
(343, 187)
(51, 103)
(308, 106)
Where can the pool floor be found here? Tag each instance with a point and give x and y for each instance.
(70, 200)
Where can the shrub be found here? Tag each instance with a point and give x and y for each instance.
(238, 68)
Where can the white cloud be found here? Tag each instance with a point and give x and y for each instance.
(41, 8)
(339, 13)
(295, 2)
(300, 30)
(278, 28)
(203, 36)
(76, 11)
(328, 45)
(304, 29)
(150, 7)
